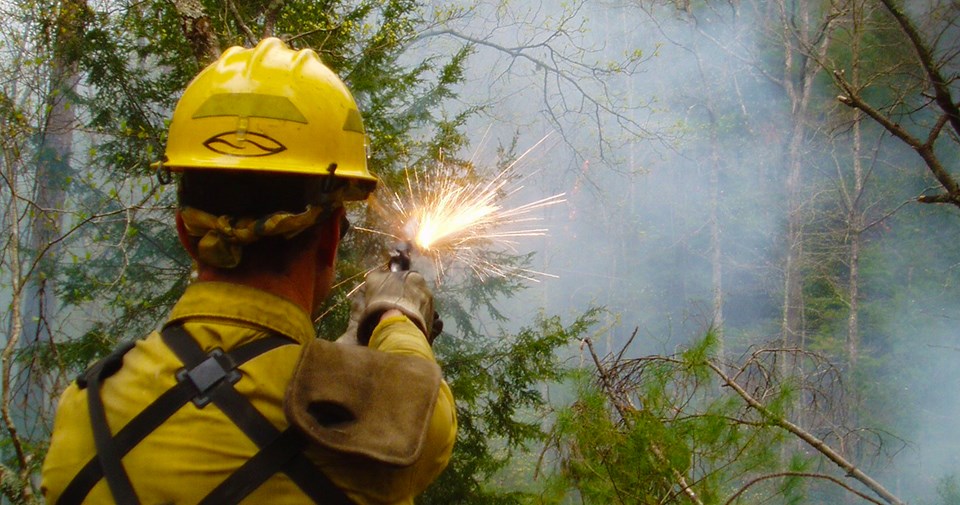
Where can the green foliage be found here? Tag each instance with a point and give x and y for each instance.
(498, 384)
(610, 461)
(76, 355)
(639, 427)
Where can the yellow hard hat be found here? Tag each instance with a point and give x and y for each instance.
(271, 109)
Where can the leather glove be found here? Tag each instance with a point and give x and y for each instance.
(405, 291)
(357, 305)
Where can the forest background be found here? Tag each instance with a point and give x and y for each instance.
(750, 291)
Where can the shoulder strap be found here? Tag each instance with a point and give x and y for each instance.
(279, 452)
(107, 452)
(141, 425)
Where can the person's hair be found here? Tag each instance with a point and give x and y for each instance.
(257, 194)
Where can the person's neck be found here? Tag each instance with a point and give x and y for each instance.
(295, 285)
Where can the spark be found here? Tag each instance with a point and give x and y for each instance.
(451, 217)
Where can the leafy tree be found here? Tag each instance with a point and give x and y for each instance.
(36, 124)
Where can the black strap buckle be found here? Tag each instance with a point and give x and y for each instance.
(218, 367)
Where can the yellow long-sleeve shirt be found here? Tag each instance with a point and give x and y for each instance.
(196, 449)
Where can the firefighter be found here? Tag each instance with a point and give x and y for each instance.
(234, 399)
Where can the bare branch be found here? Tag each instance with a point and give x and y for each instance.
(567, 84)
(941, 85)
(924, 149)
(800, 474)
(935, 131)
(247, 32)
(550, 67)
(633, 335)
(811, 440)
(308, 33)
(887, 215)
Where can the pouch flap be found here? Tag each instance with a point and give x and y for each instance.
(361, 401)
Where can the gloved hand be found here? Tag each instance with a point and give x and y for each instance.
(405, 291)
(357, 304)
(349, 336)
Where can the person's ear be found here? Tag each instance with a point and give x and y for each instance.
(185, 239)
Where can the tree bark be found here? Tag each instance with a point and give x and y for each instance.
(198, 29)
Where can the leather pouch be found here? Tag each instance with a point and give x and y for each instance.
(364, 402)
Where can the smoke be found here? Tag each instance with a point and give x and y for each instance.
(684, 151)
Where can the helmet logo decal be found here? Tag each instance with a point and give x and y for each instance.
(244, 144)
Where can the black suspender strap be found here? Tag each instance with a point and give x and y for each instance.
(108, 454)
(256, 470)
(311, 480)
(278, 451)
(128, 437)
(278, 454)
(142, 424)
(221, 393)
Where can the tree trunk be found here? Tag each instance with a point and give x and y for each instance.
(789, 325)
(799, 71)
(855, 228)
(792, 330)
(713, 178)
(855, 220)
(52, 176)
(12, 165)
(198, 29)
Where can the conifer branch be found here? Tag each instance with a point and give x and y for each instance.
(623, 410)
(15, 487)
(941, 85)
